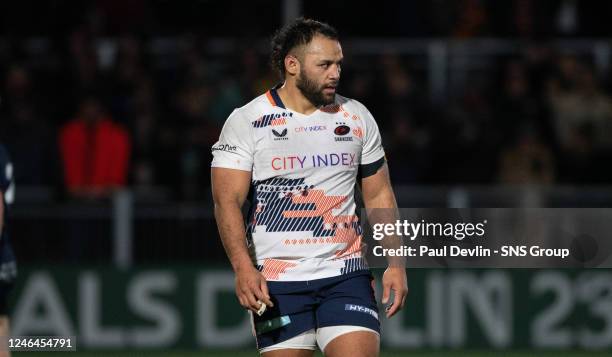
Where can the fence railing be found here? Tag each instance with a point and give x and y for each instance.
(132, 228)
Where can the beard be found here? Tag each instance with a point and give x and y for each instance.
(313, 91)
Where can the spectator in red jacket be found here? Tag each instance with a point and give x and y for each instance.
(95, 152)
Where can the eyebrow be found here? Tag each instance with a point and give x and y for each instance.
(331, 61)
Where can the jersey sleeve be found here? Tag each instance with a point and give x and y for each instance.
(372, 150)
(235, 147)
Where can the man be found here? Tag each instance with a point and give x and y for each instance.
(300, 149)
(8, 268)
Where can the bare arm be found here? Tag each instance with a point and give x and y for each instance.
(378, 193)
(230, 188)
(381, 207)
(377, 190)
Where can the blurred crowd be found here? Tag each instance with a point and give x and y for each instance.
(88, 114)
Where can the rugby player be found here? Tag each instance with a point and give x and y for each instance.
(8, 269)
(297, 153)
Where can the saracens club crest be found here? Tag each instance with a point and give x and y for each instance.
(341, 130)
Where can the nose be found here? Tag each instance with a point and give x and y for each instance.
(334, 72)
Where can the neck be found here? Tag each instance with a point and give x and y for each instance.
(293, 98)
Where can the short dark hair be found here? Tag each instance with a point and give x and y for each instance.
(297, 33)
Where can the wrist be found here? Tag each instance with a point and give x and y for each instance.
(242, 265)
(396, 263)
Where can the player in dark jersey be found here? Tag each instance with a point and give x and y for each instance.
(8, 267)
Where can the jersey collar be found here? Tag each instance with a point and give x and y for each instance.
(274, 98)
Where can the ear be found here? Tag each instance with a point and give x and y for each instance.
(292, 65)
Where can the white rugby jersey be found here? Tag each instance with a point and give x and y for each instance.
(303, 223)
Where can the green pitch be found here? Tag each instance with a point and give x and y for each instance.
(253, 353)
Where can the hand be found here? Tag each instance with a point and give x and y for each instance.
(251, 286)
(394, 279)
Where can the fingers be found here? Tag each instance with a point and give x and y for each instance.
(397, 303)
(394, 279)
(263, 287)
(242, 301)
(252, 292)
(405, 294)
(389, 309)
(246, 297)
(252, 303)
(399, 298)
(245, 302)
(386, 292)
(259, 290)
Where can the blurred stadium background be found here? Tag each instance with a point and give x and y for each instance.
(503, 103)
